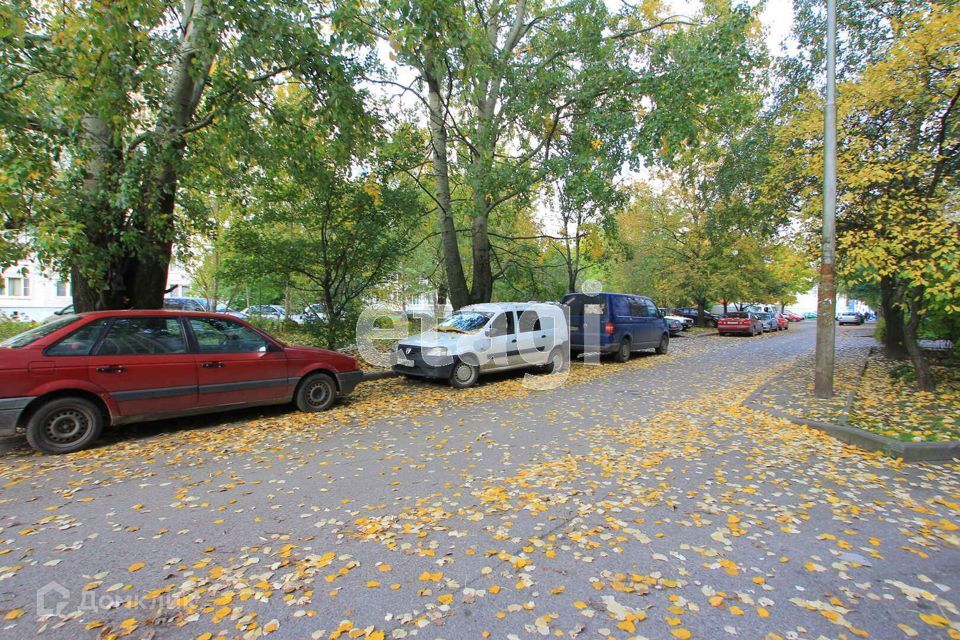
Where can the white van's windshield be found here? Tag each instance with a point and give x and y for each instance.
(465, 321)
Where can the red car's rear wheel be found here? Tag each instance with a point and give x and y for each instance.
(64, 425)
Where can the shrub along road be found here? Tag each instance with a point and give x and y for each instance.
(639, 500)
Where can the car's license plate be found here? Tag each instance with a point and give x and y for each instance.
(403, 362)
(573, 328)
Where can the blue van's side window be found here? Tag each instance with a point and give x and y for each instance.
(638, 308)
(621, 306)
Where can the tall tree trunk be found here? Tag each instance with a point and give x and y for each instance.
(332, 320)
(216, 280)
(921, 365)
(100, 172)
(138, 277)
(183, 97)
(452, 262)
(701, 320)
(442, 295)
(571, 278)
(146, 273)
(892, 311)
(482, 289)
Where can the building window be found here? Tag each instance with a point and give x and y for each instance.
(18, 285)
(14, 287)
(63, 289)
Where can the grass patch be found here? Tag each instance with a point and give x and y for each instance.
(885, 400)
(888, 403)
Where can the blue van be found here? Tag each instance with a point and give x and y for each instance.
(617, 323)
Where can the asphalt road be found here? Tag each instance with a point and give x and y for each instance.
(638, 500)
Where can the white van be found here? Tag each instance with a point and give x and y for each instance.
(482, 338)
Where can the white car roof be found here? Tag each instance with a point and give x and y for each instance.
(493, 307)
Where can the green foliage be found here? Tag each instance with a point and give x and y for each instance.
(897, 149)
(522, 94)
(678, 257)
(102, 101)
(314, 224)
(940, 325)
(9, 329)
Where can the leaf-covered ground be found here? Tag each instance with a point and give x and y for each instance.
(885, 400)
(640, 501)
(888, 402)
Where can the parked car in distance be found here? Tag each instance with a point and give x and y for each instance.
(223, 308)
(483, 338)
(850, 317)
(266, 312)
(185, 304)
(313, 313)
(674, 326)
(782, 323)
(709, 319)
(615, 323)
(767, 320)
(686, 322)
(810, 315)
(793, 317)
(64, 381)
(744, 322)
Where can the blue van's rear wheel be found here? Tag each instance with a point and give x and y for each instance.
(623, 353)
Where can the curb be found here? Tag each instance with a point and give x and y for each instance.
(378, 375)
(906, 451)
(684, 334)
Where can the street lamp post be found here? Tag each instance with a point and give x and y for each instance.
(827, 291)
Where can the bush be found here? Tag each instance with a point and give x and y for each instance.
(904, 373)
(940, 325)
(880, 331)
(9, 329)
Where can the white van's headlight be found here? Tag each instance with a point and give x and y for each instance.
(435, 352)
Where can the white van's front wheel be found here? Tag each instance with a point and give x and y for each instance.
(464, 375)
(555, 363)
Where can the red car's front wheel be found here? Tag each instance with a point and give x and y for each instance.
(317, 392)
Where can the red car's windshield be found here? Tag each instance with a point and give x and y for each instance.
(29, 337)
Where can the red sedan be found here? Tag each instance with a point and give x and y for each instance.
(782, 322)
(65, 380)
(740, 322)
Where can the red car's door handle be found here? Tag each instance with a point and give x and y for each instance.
(110, 368)
(212, 365)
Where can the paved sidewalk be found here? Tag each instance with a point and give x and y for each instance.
(793, 393)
